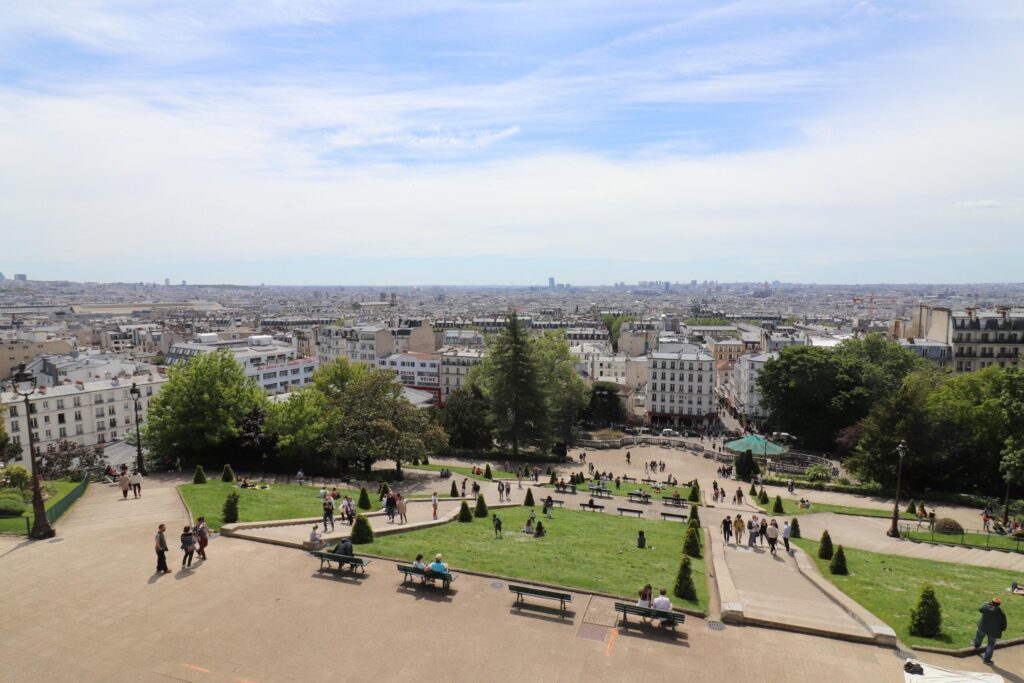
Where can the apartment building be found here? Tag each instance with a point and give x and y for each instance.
(455, 364)
(360, 344)
(420, 371)
(746, 396)
(980, 338)
(620, 369)
(88, 413)
(414, 336)
(15, 351)
(681, 387)
(274, 365)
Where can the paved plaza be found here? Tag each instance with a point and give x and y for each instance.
(87, 606)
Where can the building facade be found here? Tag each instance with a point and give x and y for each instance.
(456, 362)
(746, 399)
(420, 371)
(681, 388)
(275, 366)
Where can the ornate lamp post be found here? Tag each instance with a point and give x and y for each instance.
(25, 386)
(140, 465)
(894, 531)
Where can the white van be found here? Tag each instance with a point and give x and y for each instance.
(669, 432)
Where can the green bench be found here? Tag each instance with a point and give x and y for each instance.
(425, 576)
(342, 560)
(659, 614)
(520, 591)
(676, 502)
(638, 513)
(592, 508)
(665, 516)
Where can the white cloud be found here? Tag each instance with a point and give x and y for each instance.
(979, 204)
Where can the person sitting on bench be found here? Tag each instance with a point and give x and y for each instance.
(540, 532)
(344, 547)
(663, 603)
(675, 495)
(418, 563)
(438, 566)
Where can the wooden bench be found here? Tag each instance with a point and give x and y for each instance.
(592, 508)
(652, 482)
(626, 477)
(342, 560)
(638, 497)
(601, 493)
(520, 591)
(675, 502)
(555, 501)
(659, 614)
(425, 576)
(638, 513)
(673, 515)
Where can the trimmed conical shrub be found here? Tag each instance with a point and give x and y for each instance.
(825, 550)
(762, 497)
(794, 528)
(911, 508)
(229, 515)
(487, 471)
(684, 589)
(384, 489)
(753, 491)
(777, 507)
(553, 480)
(691, 543)
(694, 496)
(425, 460)
(465, 514)
(693, 524)
(838, 563)
(528, 501)
(364, 499)
(228, 474)
(694, 514)
(200, 476)
(926, 618)
(455, 491)
(361, 531)
(481, 507)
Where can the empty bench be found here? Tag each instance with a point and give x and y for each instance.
(638, 513)
(426, 576)
(592, 508)
(520, 591)
(676, 502)
(673, 515)
(353, 563)
(661, 615)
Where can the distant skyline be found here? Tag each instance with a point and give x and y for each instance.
(462, 142)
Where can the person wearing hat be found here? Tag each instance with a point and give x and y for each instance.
(991, 625)
(437, 567)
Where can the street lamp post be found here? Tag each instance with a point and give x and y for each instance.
(140, 465)
(894, 531)
(25, 386)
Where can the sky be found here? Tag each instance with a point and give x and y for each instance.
(506, 141)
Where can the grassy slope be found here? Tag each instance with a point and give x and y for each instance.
(280, 501)
(889, 587)
(16, 525)
(463, 471)
(590, 551)
(791, 507)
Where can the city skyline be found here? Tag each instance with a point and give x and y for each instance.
(467, 143)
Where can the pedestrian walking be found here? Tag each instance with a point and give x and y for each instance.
(403, 509)
(202, 533)
(501, 491)
(496, 521)
(328, 506)
(433, 500)
(739, 495)
(772, 532)
(738, 527)
(136, 481)
(787, 531)
(991, 626)
(123, 482)
(727, 529)
(161, 549)
(763, 531)
(753, 531)
(188, 546)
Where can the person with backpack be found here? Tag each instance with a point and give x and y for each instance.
(188, 546)
(202, 534)
(991, 625)
(328, 505)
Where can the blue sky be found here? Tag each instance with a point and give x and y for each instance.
(495, 142)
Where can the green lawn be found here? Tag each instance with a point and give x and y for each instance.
(463, 471)
(792, 507)
(280, 501)
(16, 525)
(889, 587)
(970, 539)
(627, 487)
(584, 550)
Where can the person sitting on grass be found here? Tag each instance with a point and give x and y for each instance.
(528, 529)
(540, 532)
(1016, 588)
(641, 540)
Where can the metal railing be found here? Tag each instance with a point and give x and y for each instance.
(57, 510)
(969, 538)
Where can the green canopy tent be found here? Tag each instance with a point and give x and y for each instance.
(756, 444)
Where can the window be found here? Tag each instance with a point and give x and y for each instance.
(48, 434)
(13, 411)
(101, 438)
(111, 410)
(34, 422)
(78, 429)
(78, 416)
(100, 426)
(60, 404)
(60, 418)
(63, 432)
(77, 402)
(15, 426)
(46, 419)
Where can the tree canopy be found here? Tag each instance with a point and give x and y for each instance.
(468, 420)
(604, 406)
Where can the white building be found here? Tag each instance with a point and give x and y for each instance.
(455, 364)
(681, 387)
(359, 344)
(275, 366)
(415, 370)
(87, 413)
(746, 398)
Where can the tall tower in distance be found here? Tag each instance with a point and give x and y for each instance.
(551, 283)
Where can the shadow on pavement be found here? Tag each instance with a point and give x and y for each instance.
(428, 593)
(346, 577)
(543, 612)
(652, 632)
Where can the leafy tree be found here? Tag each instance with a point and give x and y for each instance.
(200, 476)
(510, 377)
(565, 393)
(825, 550)
(838, 564)
(362, 532)
(926, 618)
(68, 459)
(613, 323)
(228, 474)
(691, 543)
(528, 500)
(17, 477)
(747, 467)
(300, 428)
(1011, 464)
(229, 515)
(8, 449)
(331, 379)
(465, 514)
(481, 506)
(604, 406)
(685, 588)
(468, 420)
(201, 410)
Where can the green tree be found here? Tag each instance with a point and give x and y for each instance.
(455, 490)
(465, 514)
(694, 514)
(605, 406)
(362, 532)
(301, 428)
(746, 466)
(468, 420)
(364, 499)
(691, 542)
(565, 393)
(926, 618)
(201, 410)
(229, 514)
(613, 323)
(825, 550)
(510, 377)
(487, 472)
(838, 564)
(794, 528)
(1011, 464)
(200, 476)
(481, 506)
(528, 500)
(8, 449)
(228, 475)
(777, 507)
(685, 588)
(694, 495)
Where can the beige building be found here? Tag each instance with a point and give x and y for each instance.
(637, 342)
(456, 362)
(360, 344)
(14, 352)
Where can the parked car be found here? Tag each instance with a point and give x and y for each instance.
(669, 432)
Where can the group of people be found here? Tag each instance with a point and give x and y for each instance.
(194, 539)
(648, 600)
(127, 482)
(395, 505)
(333, 500)
(654, 466)
(533, 527)
(505, 491)
(757, 531)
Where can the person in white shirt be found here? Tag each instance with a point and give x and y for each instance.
(663, 603)
(315, 539)
(136, 481)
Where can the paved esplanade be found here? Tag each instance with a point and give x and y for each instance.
(87, 606)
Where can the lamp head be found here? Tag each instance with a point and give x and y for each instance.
(24, 381)
(135, 392)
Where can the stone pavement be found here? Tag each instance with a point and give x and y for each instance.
(87, 606)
